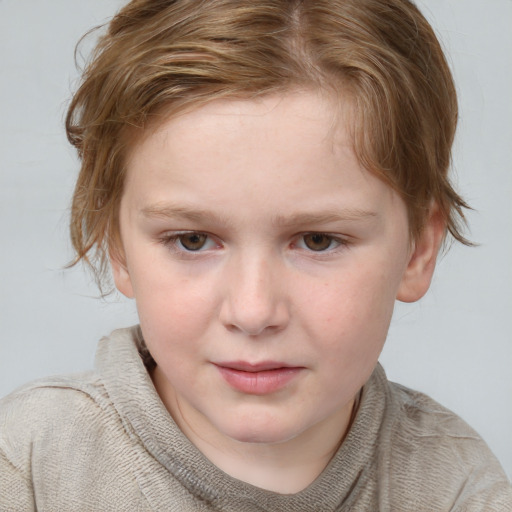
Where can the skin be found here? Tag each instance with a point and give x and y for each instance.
(299, 255)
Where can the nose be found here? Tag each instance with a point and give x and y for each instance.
(254, 301)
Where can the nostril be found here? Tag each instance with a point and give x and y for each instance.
(255, 323)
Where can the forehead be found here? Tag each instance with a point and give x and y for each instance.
(277, 151)
(287, 111)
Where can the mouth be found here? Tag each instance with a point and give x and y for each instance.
(263, 366)
(258, 378)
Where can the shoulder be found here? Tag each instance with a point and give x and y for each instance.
(420, 415)
(48, 409)
(51, 396)
(432, 449)
(63, 441)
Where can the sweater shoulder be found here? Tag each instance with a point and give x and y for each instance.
(51, 396)
(429, 447)
(48, 408)
(423, 416)
(431, 433)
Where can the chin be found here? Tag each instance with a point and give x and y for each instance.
(255, 433)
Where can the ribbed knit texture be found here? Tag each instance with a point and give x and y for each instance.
(103, 441)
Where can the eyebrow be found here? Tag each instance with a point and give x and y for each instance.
(329, 215)
(170, 211)
(324, 216)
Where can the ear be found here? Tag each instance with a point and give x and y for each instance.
(420, 268)
(120, 272)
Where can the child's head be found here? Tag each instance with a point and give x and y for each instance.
(265, 263)
(160, 58)
(268, 178)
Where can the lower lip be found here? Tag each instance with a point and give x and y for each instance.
(259, 383)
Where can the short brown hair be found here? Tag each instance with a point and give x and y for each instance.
(159, 56)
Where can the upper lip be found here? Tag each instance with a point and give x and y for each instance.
(262, 366)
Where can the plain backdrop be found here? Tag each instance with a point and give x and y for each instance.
(455, 344)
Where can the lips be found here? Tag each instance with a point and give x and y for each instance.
(259, 378)
(254, 367)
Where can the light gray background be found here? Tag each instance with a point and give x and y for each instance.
(455, 344)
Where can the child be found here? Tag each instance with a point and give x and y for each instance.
(265, 179)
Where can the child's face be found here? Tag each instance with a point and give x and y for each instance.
(265, 263)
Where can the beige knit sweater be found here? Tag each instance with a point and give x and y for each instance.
(103, 441)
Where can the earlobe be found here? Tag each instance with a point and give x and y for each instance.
(120, 272)
(420, 268)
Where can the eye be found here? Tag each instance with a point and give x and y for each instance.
(191, 241)
(318, 242)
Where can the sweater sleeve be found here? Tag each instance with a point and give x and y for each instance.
(15, 487)
(16, 491)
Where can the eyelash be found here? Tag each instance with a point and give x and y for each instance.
(171, 241)
(335, 242)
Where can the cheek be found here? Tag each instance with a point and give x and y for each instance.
(170, 304)
(350, 326)
(172, 322)
(354, 310)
